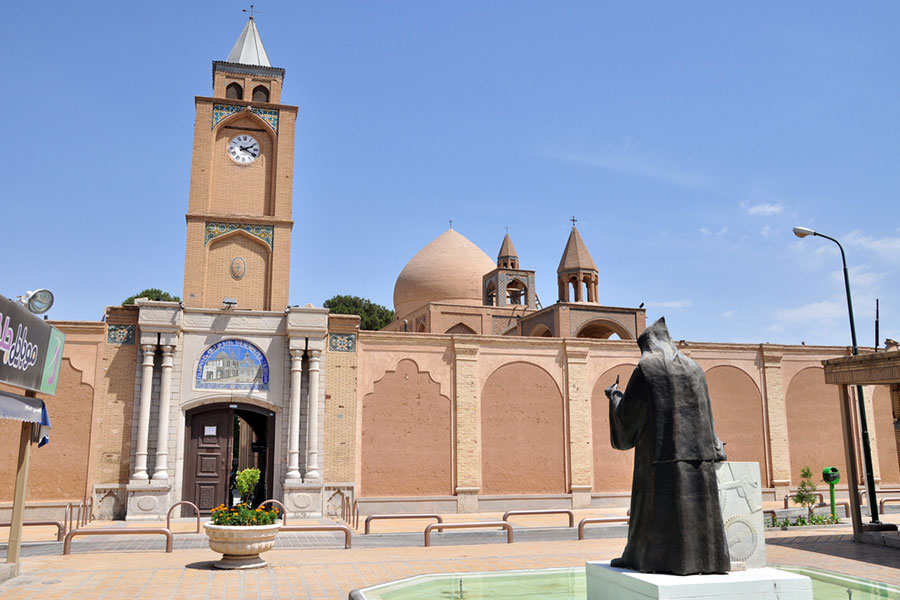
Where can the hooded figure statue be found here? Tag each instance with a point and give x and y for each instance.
(676, 521)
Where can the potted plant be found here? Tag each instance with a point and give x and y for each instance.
(241, 533)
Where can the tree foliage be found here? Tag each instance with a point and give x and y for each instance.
(152, 294)
(806, 492)
(372, 316)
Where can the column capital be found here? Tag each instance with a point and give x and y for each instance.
(575, 351)
(771, 357)
(149, 351)
(465, 350)
(314, 358)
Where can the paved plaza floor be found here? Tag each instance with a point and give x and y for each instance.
(315, 566)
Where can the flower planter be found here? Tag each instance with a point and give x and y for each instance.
(241, 546)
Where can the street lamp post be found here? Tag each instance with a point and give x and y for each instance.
(802, 232)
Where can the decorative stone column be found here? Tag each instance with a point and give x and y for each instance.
(869, 398)
(312, 420)
(468, 442)
(162, 432)
(140, 452)
(293, 472)
(578, 398)
(776, 413)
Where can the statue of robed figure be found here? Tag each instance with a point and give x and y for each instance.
(665, 415)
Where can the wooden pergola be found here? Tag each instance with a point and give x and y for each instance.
(880, 368)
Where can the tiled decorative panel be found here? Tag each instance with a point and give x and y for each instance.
(269, 115)
(342, 342)
(120, 334)
(263, 232)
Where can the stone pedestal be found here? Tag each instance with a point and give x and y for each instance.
(607, 583)
(147, 502)
(467, 499)
(581, 496)
(302, 500)
(740, 496)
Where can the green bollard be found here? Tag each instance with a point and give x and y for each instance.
(832, 476)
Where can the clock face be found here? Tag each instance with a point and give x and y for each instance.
(243, 149)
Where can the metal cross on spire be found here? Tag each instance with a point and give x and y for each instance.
(451, 223)
(507, 230)
(573, 219)
(251, 11)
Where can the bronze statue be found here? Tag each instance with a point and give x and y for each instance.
(665, 415)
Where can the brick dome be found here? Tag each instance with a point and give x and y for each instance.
(449, 269)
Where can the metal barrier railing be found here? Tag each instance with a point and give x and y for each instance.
(818, 495)
(885, 501)
(60, 527)
(548, 511)
(280, 505)
(176, 505)
(480, 524)
(371, 518)
(335, 527)
(67, 544)
(590, 520)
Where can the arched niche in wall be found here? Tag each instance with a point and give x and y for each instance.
(738, 413)
(613, 469)
(461, 328)
(815, 437)
(540, 330)
(886, 439)
(238, 267)
(522, 432)
(407, 443)
(603, 329)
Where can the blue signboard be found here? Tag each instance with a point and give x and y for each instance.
(232, 365)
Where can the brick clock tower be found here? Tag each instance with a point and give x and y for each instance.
(239, 213)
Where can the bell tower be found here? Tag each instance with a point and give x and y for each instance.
(239, 212)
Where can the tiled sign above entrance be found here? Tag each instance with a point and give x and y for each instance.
(232, 365)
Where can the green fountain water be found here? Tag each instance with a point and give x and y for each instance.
(570, 584)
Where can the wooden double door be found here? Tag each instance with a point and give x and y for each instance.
(222, 439)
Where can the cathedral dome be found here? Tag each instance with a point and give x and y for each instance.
(449, 269)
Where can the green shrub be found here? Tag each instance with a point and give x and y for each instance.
(246, 481)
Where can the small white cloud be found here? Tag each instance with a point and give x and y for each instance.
(826, 310)
(670, 304)
(763, 209)
(861, 278)
(728, 314)
(705, 231)
(722, 231)
(627, 161)
(887, 247)
(766, 231)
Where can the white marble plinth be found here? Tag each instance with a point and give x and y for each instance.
(740, 496)
(147, 502)
(302, 500)
(607, 583)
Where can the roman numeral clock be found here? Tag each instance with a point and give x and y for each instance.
(243, 149)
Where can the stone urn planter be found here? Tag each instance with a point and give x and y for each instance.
(241, 546)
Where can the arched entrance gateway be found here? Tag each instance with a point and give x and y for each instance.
(221, 439)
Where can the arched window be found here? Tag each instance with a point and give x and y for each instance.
(516, 292)
(260, 94)
(234, 91)
(490, 295)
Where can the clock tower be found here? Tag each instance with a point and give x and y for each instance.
(239, 212)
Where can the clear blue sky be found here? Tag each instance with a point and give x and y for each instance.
(687, 138)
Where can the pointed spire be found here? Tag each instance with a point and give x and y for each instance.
(249, 50)
(507, 250)
(576, 255)
(507, 258)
